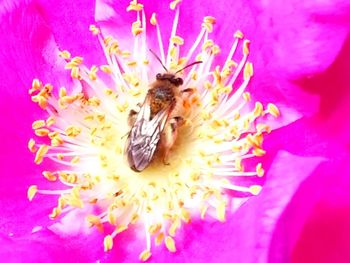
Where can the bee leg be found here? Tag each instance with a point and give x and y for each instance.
(169, 136)
(133, 115)
(188, 90)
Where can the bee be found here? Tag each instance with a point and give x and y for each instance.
(156, 123)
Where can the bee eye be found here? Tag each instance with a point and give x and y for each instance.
(158, 76)
(179, 81)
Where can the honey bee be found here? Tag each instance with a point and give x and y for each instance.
(156, 123)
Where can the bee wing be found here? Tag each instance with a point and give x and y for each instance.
(145, 135)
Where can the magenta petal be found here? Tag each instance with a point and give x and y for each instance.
(44, 246)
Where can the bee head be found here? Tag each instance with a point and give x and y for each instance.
(171, 78)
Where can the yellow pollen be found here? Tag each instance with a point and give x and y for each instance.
(246, 96)
(208, 23)
(174, 4)
(56, 211)
(273, 110)
(258, 152)
(246, 45)
(170, 244)
(134, 6)
(32, 190)
(248, 70)
(153, 19)
(92, 73)
(108, 243)
(73, 131)
(49, 176)
(159, 239)
(65, 54)
(43, 149)
(238, 34)
(177, 40)
(75, 73)
(136, 28)
(95, 31)
(220, 211)
(145, 255)
(41, 132)
(106, 69)
(255, 189)
(259, 170)
(31, 145)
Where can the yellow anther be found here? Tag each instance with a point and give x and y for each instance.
(177, 40)
(62, 92)
(153, 19)
(32, 190)
(246, 45)
(38, 124)
(60, 156)
(106, 69)
(238, 165)
(41, 132)
(55, 213)
(215, 50)
(123, 107)
(273, 110)
(207, 44)
(31, 145)
(94, 221)
(255, 189)
(57, 141)
(174, 226)
(76, 61)
(209, 19)
(108, 243)
(64, 54)
(263, 128)
(134, 6)
(75, 160)
(258, 110)
(238, 34)
(94, 101)
(36, 85)
(49, 176)
(75, 73)
(246, 96)
(220, 211)
(204, 209)
(121, 228)
(154, 229)
(248, 71)
(159, 239)
(170, 244)
(174, 4)
(185, 215)
(43, 149)
(136, 28)
(145, 255)
(208, 23)
(93, 73)
(258, 152)
(72, 131)
(259, 170)
(132, 63)
(95, 31)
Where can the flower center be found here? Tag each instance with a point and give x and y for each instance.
(86, 134)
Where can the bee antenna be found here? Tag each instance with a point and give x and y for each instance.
(190, 65)
(160, 61)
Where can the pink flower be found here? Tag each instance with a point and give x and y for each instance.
(290, 42)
